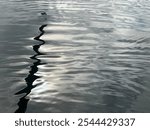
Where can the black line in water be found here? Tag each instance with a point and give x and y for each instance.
(23, 102)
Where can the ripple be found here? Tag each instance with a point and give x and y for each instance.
(89, 56)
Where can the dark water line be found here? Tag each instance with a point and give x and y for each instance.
(22, 104)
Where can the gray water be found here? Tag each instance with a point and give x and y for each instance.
(83, 56)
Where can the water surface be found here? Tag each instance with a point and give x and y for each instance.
(83, 56)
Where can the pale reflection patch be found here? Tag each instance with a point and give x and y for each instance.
(64, 28)
(57, 37)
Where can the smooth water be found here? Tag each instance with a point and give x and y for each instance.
(83, 56)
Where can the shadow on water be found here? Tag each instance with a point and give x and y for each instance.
(31, 77)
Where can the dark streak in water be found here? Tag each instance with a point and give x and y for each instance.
(31, 77)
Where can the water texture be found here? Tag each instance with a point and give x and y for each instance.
(81, 56)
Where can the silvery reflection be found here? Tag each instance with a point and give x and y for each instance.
(82, 56)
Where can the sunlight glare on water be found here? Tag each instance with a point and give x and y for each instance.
(83, 56)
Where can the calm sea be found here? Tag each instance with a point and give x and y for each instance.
(74, 56)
